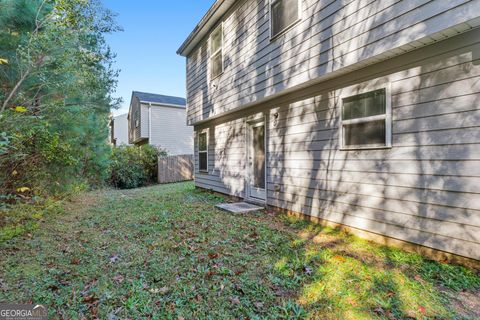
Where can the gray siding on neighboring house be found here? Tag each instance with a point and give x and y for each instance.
(144, 121)
(120, 129)
(334, 36)
(170, 131)
(424, 190)
(162, 123)
(135, 133)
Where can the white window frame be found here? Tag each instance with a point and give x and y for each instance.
(205, 131)
(387, 117)
(287, 28)
(213, 54)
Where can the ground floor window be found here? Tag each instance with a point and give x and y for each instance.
(366, 120)
(203, 151)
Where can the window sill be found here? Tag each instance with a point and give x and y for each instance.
(216, 77)
(355, 148)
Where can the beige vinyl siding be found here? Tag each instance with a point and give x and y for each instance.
(424, 190)
(120, 129)
(334, 35)
(170, 131)
(144, 121)
(169, 128)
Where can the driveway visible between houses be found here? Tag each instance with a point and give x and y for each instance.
(165, 252)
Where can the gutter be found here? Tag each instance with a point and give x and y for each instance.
(150, 122)
(164, 104)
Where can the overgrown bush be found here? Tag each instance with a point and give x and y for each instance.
(56, 86)
(41, 156)
(133, 167)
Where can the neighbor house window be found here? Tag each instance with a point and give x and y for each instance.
(137, 118)
(203, 151)
(216, 52)
(284, 13)
(366, 121)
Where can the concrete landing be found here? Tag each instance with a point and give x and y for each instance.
(239, 207)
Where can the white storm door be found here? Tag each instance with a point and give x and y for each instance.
(256, 161)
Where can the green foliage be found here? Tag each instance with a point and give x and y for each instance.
(166, 252)
(25, 217)
(56, 81)
(133, 167)
(453, 277)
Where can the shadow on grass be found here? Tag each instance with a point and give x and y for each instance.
(340, 276)
(165, 252)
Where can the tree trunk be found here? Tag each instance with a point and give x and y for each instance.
(14, 90)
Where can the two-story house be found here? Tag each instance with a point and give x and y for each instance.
(359, 113)
(159, 120)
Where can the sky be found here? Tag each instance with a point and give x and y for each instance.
(146, 49)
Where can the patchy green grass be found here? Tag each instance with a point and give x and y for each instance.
(165, 252)
(25, 217)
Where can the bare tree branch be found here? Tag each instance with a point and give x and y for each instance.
(24, 76)
(14, 90)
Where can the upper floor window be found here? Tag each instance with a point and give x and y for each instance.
(216, 52)
(366, 120)
(284, 13)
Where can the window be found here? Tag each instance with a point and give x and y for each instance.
(283, 14)
(137, 118)
(203, 152)
(366, 120)
(216, 52)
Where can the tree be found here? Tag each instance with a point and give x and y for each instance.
(56, 84)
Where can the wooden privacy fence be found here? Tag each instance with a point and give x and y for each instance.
(175, 168)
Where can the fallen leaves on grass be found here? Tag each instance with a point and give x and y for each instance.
(191, 260)
(118, 278)
(308, 270)
(162, 290)
(235, 300)
(213, 255)
(259, 305)
(114, 258)
(88, 287)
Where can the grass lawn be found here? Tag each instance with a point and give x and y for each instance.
(165, 252)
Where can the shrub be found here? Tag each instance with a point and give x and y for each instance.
(46, 157)
(56, 86)
(133, 167)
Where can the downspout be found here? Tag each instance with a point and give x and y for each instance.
(149, 123)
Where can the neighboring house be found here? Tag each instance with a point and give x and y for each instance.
(119, 130)
(159, 120)
(360, 113)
